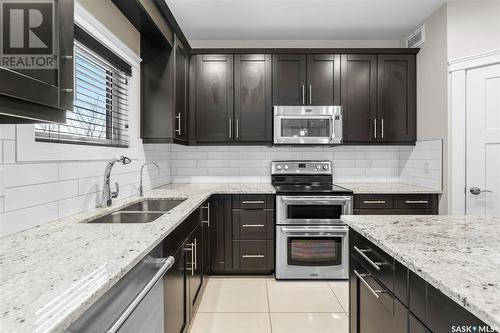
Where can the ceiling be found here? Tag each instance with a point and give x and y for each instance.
(300, 19)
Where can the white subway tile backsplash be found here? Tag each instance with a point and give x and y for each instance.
(33, 195)
(9, 151)
(27, 218)
(29, 174)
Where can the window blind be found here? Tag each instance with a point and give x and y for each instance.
(100, 111)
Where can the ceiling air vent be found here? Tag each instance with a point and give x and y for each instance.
(416, 38)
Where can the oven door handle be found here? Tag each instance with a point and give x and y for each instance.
(315, 230)
(343, 200)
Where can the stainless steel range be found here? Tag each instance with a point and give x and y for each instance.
(311, 240)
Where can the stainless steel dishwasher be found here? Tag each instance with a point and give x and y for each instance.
(135, 304)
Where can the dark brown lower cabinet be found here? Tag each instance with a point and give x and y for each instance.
(220, 217)
(404, 304)
(396, 204)
(175, 290)
(193, 249)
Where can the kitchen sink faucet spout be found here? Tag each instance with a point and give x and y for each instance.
(141, 189)
(108, 195)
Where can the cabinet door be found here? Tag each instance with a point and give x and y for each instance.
(194, 248)
(175, 295)
(51, 87)
(289, 79)
(396, 98)
(214, 103)
(359, 97)
(205, 220)
(221, 237)
(252, 98)
(323, 79)
(180, 96)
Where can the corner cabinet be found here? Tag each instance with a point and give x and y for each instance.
(379, 98)
(41, 95)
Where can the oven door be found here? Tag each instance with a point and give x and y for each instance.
(312, 209)
(303, 129)
(312, 252)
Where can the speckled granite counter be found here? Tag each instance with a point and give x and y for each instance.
(51, 274)
(387, 188)
(458, 255)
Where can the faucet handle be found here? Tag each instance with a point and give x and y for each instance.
(114, 194)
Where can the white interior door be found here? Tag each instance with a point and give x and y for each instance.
(483, 141)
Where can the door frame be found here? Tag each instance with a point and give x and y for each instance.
(457, 125)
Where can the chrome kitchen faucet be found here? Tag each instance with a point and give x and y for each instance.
(108, 195)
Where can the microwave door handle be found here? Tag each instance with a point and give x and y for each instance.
(332, 119)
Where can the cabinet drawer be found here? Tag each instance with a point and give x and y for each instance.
(253, 224)
(373, 201)
(374, 260)
(250, 201)
(415, 201)
(253, 255)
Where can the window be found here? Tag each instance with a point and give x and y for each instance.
(100, 111)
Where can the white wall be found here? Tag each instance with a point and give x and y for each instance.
(432, 88)
(473, 27)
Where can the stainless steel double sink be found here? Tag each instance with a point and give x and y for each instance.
(144, 211)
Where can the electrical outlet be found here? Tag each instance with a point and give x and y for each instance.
(426, 168)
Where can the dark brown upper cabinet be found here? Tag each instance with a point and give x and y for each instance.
(180, 95)
(252, 98)
(41, 95)
(396, 98)
(379, 98)
(289, 79)
(359, 97)
(300, 79)
(323, 79)
(214, 98)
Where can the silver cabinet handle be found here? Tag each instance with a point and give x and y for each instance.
(252, 256)
(303, 95)
(253, 225)
(252, 202)
(178, 117)
(310, 95)
(373, 291)
(191, 249)
(378, 202)
(195, 254)
(207, 221)
(230, 128)
(476, 190)
(375, 265)
(168, 262)
(382, 128)
(375, 128)
(417, 201)
(237, 128)
(67, 57)
(68, 90)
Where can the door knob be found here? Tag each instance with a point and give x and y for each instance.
(476, 190)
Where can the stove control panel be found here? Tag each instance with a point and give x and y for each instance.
(301, 167)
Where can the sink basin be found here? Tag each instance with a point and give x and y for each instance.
(153, 205)
(128, 217)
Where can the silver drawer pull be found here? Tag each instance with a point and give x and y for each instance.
(168, 262)
(67, 90)
(253, 202)
(417, 201)
(207, 221)
(375, 265)
(252, 256)
(373, 291)
(377, 202)
(253, 225)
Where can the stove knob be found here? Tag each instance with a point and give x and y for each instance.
(278, 167)
(325, 167)
(285, 167)
(317, 167)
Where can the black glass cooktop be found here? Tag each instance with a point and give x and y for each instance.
(321, 188)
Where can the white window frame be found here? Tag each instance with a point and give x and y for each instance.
(29, 150)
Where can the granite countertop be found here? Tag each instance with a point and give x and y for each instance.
(50, 275)
(456, 254)
(387, 188)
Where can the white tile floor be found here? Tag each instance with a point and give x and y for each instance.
(264, 305)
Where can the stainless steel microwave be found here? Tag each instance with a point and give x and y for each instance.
(308, 125)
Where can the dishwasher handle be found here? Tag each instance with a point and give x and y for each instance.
(168, 262)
